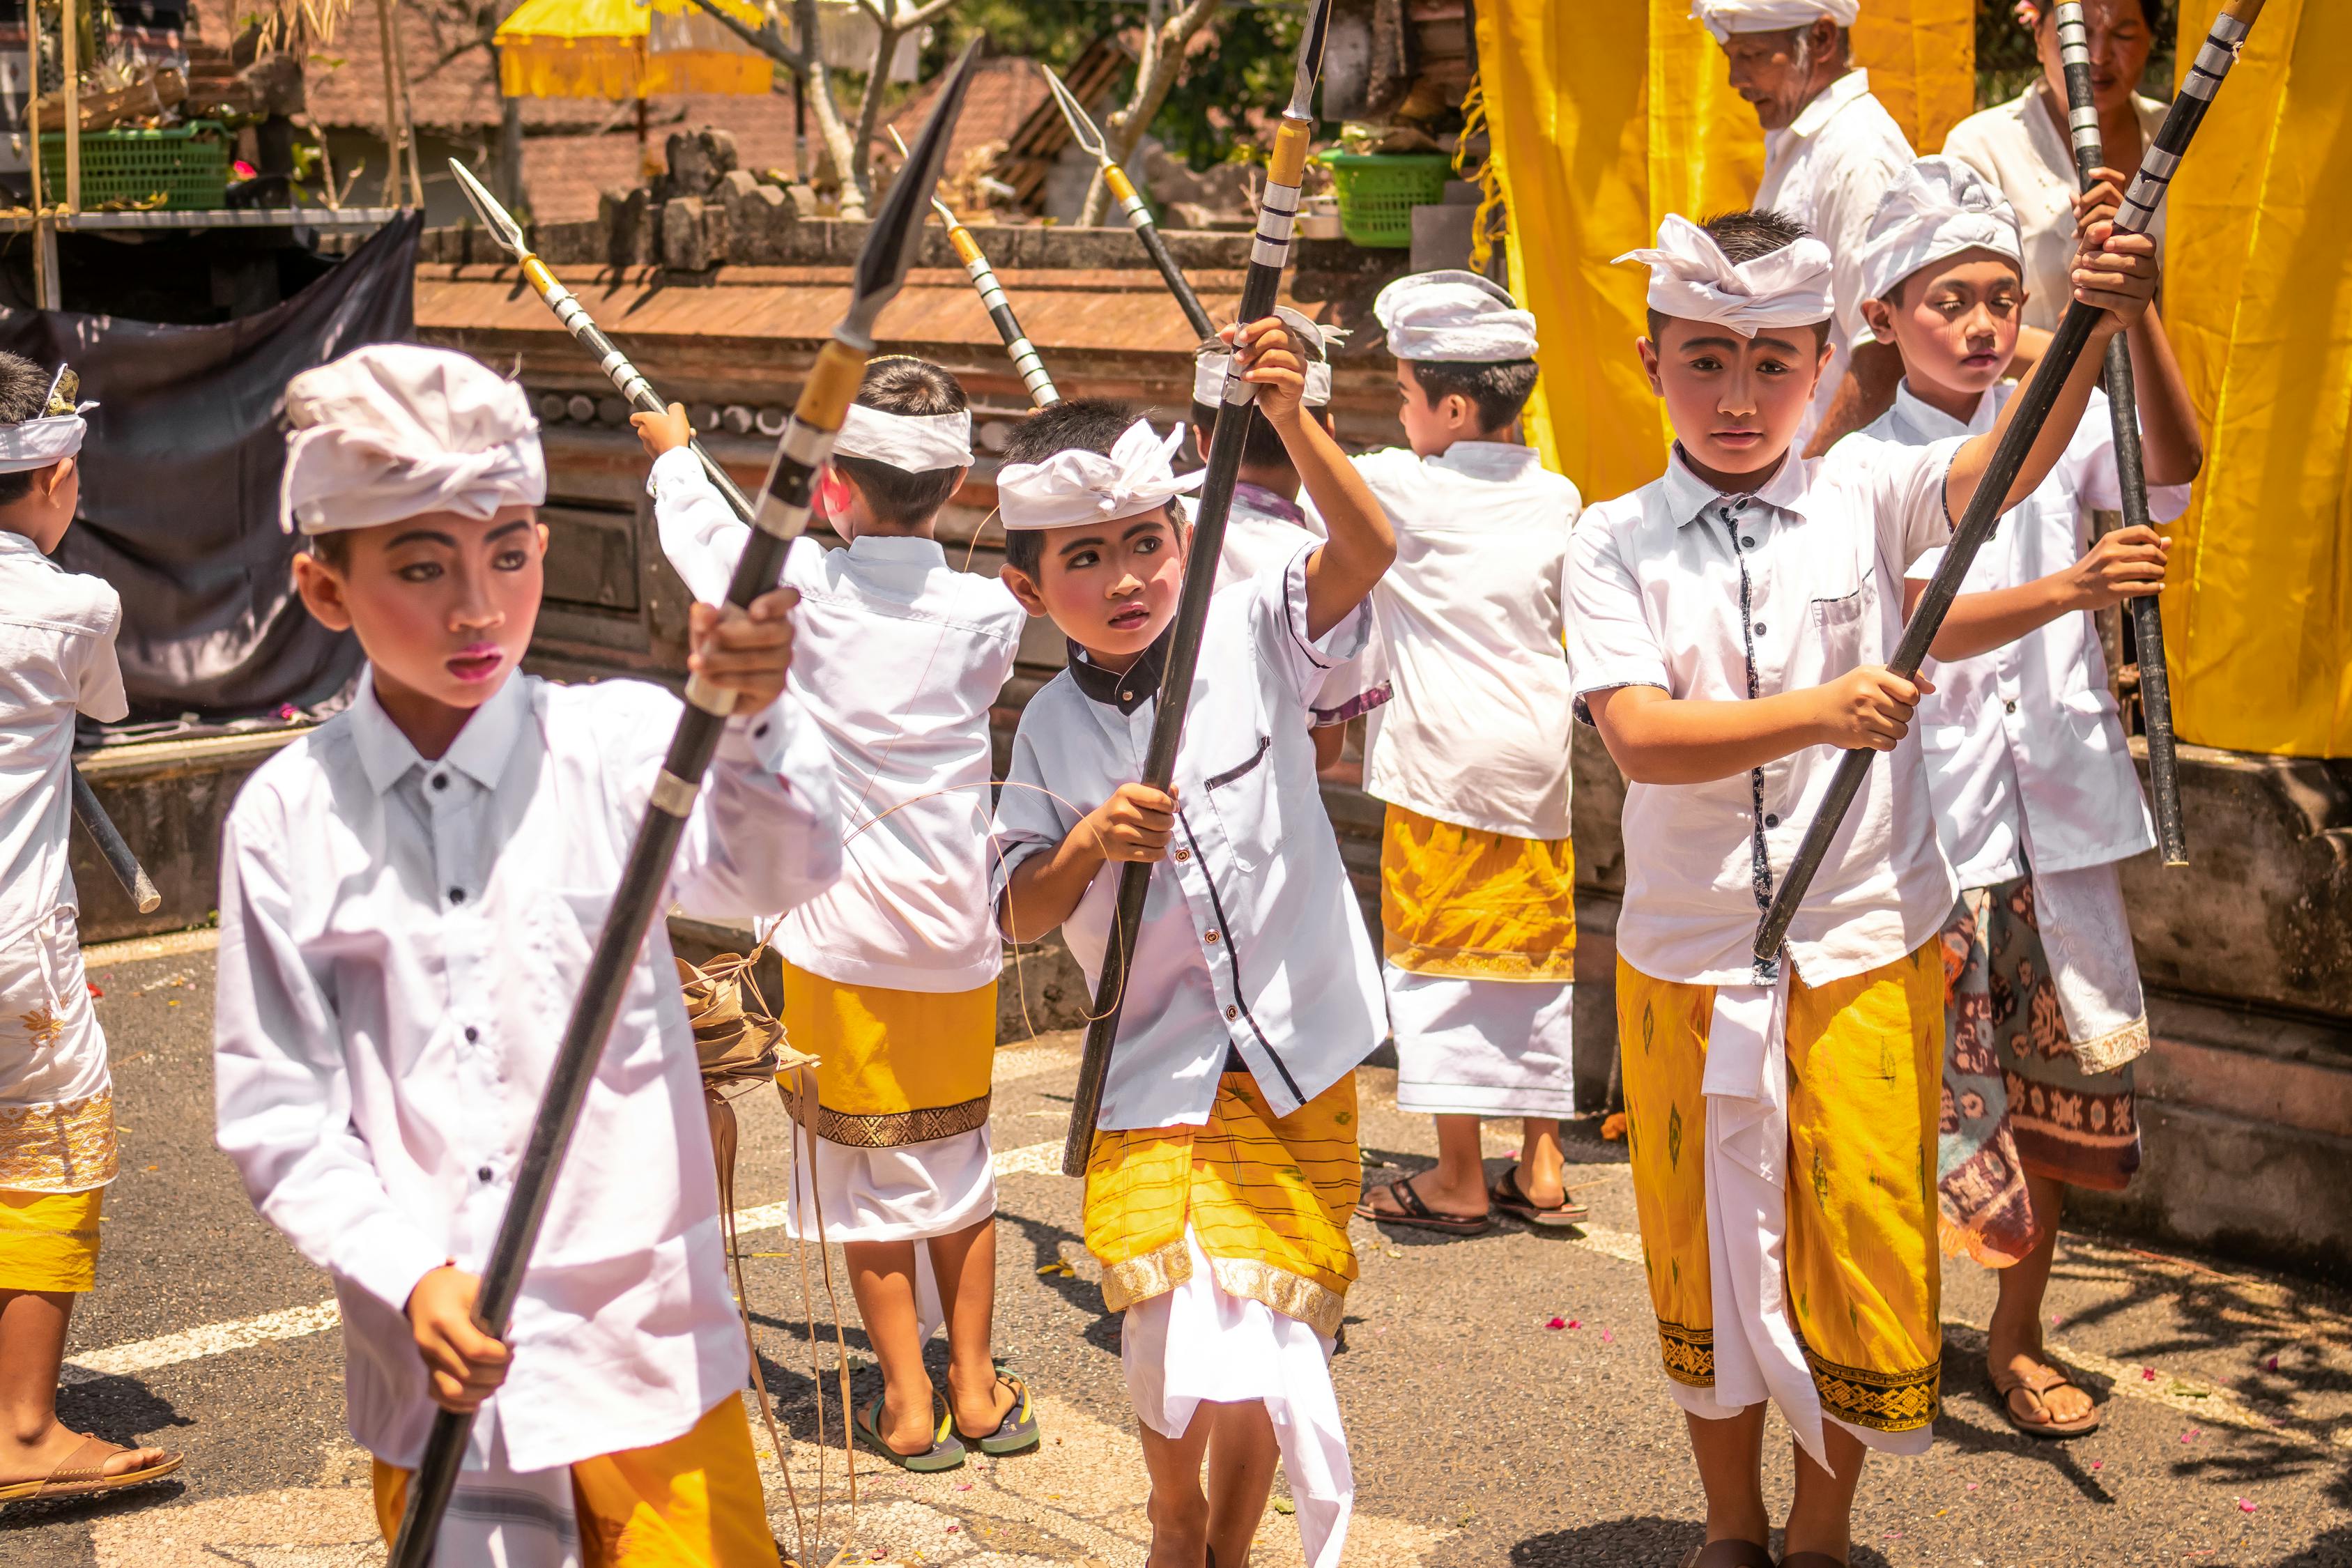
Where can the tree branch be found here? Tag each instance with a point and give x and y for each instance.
(1155, 75)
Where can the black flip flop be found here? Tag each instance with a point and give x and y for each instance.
(945, 1453)
(1016, 1432)
(1507, 1197)
(1411, 1211)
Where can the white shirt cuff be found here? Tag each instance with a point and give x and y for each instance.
(762, 739)
(673, 468)
(385, 1256)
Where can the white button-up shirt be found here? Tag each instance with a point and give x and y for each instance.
(1470, 637)
(402, 941)
(2026, 756)
(898, 657)
(1725, 598)
(1251, 940)
(1828, 170)
(1265, 532)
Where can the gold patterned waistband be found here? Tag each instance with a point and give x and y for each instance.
(64, 1147)
(1161, 1269)
(896, 1129)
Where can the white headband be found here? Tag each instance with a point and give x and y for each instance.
(1725, 18)
(1451, 316)
(396, 430)
(1210, 369)
(1079, 486)
(37, 443)
(1936, 209)
(1691, 277)
(917, 443)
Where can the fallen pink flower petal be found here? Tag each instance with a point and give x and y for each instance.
(964, 1486)
(2273, 1364)
(954, 1528)
(1576, 1322)
(2098, 1464)
(2148, 1374)
(1607, 1338)
(2190, 1436)
(1557, 1323)
(2245, 1507)
(2055, 1320)
(1972, 1486)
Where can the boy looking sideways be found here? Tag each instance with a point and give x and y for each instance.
(409, 897)
(1728, 624)
(2036, 795)
(1220, 1182)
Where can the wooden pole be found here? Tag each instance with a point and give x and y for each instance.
(391, 103)
(69, 56)
(46, 294)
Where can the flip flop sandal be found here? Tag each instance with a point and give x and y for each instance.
(88, 1477)
(1410, 1211)
(1728, 1554)
(1017, 1431)
(2036, 1421)
(945, 1453)
(1812, 1559)
(1506, 1197)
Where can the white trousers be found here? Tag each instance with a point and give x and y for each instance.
(1482, 1048)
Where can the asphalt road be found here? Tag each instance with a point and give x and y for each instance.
(1480, 1434)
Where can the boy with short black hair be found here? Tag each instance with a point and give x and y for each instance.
(1226, 1160)
(1727, 626)
(410, 896)
(890, 975)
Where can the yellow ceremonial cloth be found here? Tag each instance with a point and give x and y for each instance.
(1267, 1196)
(1866, 1057)
(1477, 905)
(48, 1241)
(692, 1503)
(893, 1067)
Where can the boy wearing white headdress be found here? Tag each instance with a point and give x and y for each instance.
(890, 975)
(2036, 795)
(1226, 1160)
(1729, 626)
(410, 894)
(57, 1096)
(1830, 149)
(1477, 875)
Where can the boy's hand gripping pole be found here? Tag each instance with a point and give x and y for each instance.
(1017, 346)
(2123, 404)
(1277, 212)
(890, 246)
(2140, 202)
(1131, 204)
(574, 316)
(109, 839)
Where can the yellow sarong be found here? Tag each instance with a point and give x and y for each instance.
(48, 1241)
(1864, 1084)
(692, 1503)
(1269, 1198)
(893, 1067)
(1477, 905)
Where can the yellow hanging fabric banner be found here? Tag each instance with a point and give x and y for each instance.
(1922, 59)
(2258, 298)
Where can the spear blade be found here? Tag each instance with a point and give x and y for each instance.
(1309, 68)
(1083, 130)
(495, 218)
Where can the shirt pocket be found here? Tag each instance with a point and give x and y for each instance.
(1838, 623)
(1240, 798)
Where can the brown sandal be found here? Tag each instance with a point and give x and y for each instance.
(1506, 1196)
(1728, 1554)
(2035, 1422)
(1411, 1211)
(82, 1473)
(1812, 1559)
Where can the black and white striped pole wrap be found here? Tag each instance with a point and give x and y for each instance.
(1132, 208)
(1277, 212)
(2029, 412)
(1017, 346)
(783, 510)
(2123, 404)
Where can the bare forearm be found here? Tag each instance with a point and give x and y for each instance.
(1969, 466)
(1672, 741)
(1979, 623)
(1045, 889)
(2172, 450)
(1359, 546)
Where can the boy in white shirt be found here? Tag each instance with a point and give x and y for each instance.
(56, 1137)
(2036, 796)
(1477, 877)
(891, 973)
(1727, 626)
(1221, 1180)
(409, 898)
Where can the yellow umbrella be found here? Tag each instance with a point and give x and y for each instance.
(626, 48)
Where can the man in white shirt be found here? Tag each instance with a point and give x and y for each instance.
(409, 898)
(1830, 149)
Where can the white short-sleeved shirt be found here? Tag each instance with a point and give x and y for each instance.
(897, 657)
(2026, 755)
(1265, 532)
(1828, 170)
(1725, 598)
(1251, 940)
(2026, 154)
(1470, 636)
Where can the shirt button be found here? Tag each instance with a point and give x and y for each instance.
(1760, 628)
(1210, 936)
(457, 895)
(440, 781)
(484, 1173)
(1127, 697)
(1183, 854)
(1746, 544)
(2009, 707)
(472, 1034)
(1771, 820)
(1232, 1013)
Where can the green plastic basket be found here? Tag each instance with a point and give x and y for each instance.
(188, 166)
(1377, 191)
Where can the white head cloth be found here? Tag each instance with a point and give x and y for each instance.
(917, 443)
(1453, 316)
(1936, 209)
(1691, 277)
(1209, 369)
(1079, 485)
(396, 430)
(37, 443)
(1725, 18)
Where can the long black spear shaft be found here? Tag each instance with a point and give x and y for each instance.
(2031, 412)
(1131, 204)
(113, 847)
(2123, 404)
(1277, 212)
(824, 399)
(1017, 346)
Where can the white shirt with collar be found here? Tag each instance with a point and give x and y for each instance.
(1251, 940)
(401, 946)
(1828, 170)
(1730, 598)
(1470, 623)
(2026, 755)
(897, 657)
(1265, 532)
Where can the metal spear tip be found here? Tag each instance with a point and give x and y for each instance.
(1311, 61)
(896, 232)
(1082, 126)
(496, 218)
(947, 215)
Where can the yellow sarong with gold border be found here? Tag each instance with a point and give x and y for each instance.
(1476, 905)
(894, 1067)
